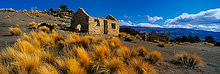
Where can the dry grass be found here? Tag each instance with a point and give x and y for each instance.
(115, 43)
(142, 51)
(139, 37)
(47, 69)
(188, 60)
(27, 62)
(161, 44)
(122, 34)
(124, 53)
(141, 66)
(134, 53)
(83, 57)
(115, 66)
(206, 43)
(155, 57)
(74, 67)
(52, 53)
(44, 28)
(102, 52)
(15, 31)
(32, 24)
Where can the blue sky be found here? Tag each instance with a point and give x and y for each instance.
(192, 14)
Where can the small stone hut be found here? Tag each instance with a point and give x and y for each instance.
(83, 22)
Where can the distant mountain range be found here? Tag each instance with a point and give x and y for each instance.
(176, 32)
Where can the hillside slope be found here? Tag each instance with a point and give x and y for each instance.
(177, 32)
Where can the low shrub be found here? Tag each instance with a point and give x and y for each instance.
(15, 31)
(155, 57)
(161, 44)
(33, 24)
(44, 28)
(188, 60)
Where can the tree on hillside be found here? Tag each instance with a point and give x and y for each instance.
(63, 8)
(209, 39)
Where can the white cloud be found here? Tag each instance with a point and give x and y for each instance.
(125, 23)
(155, 18)
(129, 23)
(129, 17)
(34, 8)
(205, 20)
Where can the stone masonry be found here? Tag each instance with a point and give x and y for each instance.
(94, 25)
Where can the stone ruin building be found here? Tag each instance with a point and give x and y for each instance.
(83, 22)
(154, 36)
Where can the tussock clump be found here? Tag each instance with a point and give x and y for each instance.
(15, 31)
(74, 67)
(115, 43)
(102, 52)
(24, 46)
(47, 69)
(188, 60)
(44, 28)
(138, 36)
(87, 41)
(142, 51)
(124, 53)
(52, 53)
(206, 43)
(27, 62)
(134, 53)
(114, 66)
(122, 34)
(161, 44)
(32, 24)
(83, 57)
(72, 38)
(155, 57)
(141, 66)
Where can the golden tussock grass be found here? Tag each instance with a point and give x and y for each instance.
(74, 66)
(44, 28)
(115, 66)
(141, 66)
(155, 57)
(197, 61)
(15, 31)
(83, 57)
(3, 69)
(206, 43)
(122, 34)
(47, 57)
(47, 53)
(27, 62)
(134, 53)
(188, 60)
(124, 53)
(138, 36)
(72, 38)
(32, 24)
(47, 69)
(115, 43)
(161, 44)
(26, 37)
(102, 52)
(24, 46)
(142, 51)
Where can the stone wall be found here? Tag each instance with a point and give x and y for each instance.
(111, 30)
(96, 27)
(82, 18)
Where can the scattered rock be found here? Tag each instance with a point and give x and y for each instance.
(128, 39)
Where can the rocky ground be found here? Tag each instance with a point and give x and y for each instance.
(210, 54)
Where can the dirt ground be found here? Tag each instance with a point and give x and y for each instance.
(210, 54)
